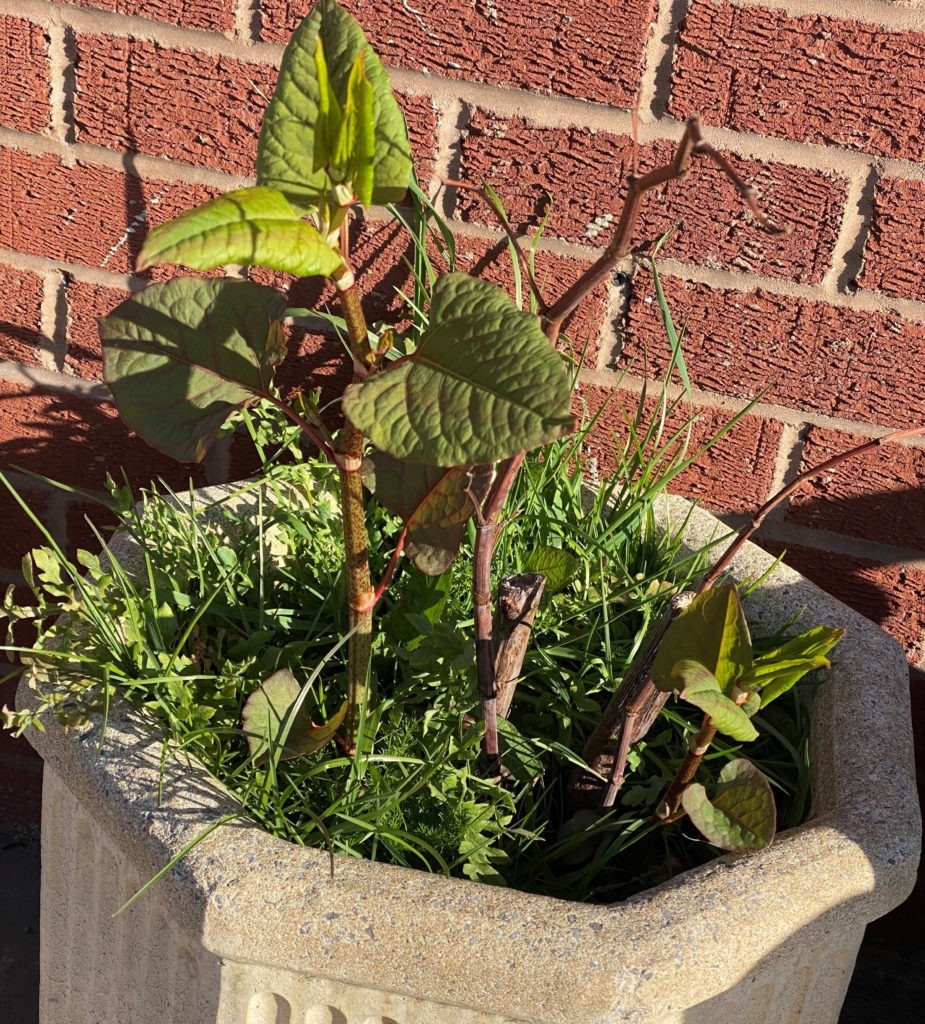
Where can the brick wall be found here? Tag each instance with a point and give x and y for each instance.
(116, 114)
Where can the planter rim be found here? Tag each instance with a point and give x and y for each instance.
(250, 897)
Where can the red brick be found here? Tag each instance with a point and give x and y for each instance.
(19, 533)
(195, 107)
(811, 356)
(892, 596)
(573, 50)
(586, 172)
(811, 79)
(85, 213)
(421, 118)
(20, 314)
(77, 441)
(206, 14)
(21, 794)
(734, 475)
(876, 496)
(893, 251)
(85, 303)
(24, 72)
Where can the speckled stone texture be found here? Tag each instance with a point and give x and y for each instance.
(249, 929)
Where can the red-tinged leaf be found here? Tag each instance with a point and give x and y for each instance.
(266, 717)
(741, 816)
(433, 501)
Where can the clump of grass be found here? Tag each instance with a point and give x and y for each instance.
(227, 595)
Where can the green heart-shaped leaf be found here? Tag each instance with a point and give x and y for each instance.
(181, 357)
(266, 718)
(434, 502)
(285, 156)
(484, 384)
(742, 815)
(556, 564)
(701, 688)
(712, 631)
(252, 226)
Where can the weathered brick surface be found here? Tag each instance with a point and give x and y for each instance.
(85, 303)
(811, 79)
(892, 596)
(576, 49)
(206, 14)
(77, 441)
(893, 251)
(421, 117)
(195, 107)
(586, 171)
(20, 313)
(810, 355)
(735, 475)
(24, 73)
(876, 496)
(85, 213)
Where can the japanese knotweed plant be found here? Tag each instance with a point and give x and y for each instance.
(436, 427)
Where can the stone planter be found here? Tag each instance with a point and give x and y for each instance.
(252, 930)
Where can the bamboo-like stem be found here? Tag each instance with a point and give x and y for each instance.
(519, 600)
(699, 745)
(361, 597)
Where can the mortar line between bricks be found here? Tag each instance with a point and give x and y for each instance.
(451, 116)
(892, 16)
(155, 168)
(655, 81)
(94, 21)
(862, 301)
(786, 465)
(857, 216)
(49, 380)
(840, 544)
(58, 65)
(52, 346)
(247, 22)
(633, 383)
(91, 275)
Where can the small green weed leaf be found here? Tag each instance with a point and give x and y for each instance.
(712, 630)
(433, 502)
(702, 689)
(518, 755)
(422, 595)
(181, 357)
(264, 717)
(484, 384)
(286, 157)
(252, 226)
(556, 564)
(742, 815)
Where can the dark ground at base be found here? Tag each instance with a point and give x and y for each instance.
(19, 929)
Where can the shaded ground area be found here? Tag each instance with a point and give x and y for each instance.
(19, 928)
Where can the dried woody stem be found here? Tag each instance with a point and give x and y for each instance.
(553, 316)
(700, 743)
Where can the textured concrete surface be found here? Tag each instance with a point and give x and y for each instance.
(773, 934)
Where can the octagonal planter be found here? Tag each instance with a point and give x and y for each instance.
(249, 929)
